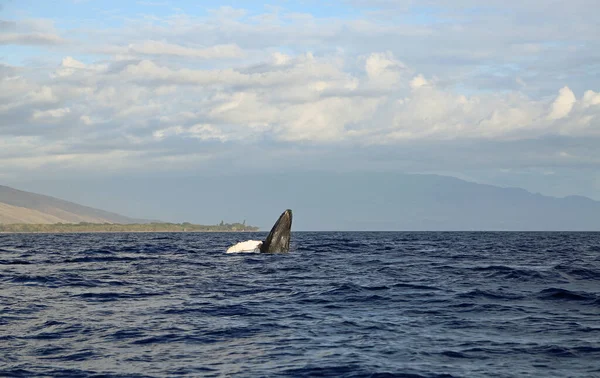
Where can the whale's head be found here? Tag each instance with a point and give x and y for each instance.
(279, 237)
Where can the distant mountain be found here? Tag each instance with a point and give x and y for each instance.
(17, 206)
(347, 201)
(337, 201)
(432, 202)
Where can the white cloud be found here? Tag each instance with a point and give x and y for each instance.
(591, 98)
(561, 107)
(280, 59)
(383, 69)
(44, 94)
(69, 66)
(13, 86)
(86, 120)
(228, 13)
(307, 98)
(169, 86)
(206, 132)
(161, 134)
(29, 32)
(305, 67)
(418, 82)
(150, 47)
(51, 114)
(30, 39)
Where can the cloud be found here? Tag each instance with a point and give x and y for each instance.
(561, 107)
(464, 42)
(278, 88)
(293, 98)
(228, 13)
(30, 39)
(198, 131)
(7, 25)
(29, 32)
(384, 68)
(51, 114)
(225, 51)
(418, 82)
(304, 67)
(69, 66)
(591, 98)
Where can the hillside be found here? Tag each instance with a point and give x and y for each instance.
(17, 206)
(332, 201)
(347, 201)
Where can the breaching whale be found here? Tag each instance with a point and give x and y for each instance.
(278, 239)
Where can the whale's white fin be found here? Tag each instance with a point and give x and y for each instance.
(246, 246)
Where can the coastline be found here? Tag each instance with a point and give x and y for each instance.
(84, 228)
(123, 232)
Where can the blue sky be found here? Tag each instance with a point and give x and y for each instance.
(501, 92)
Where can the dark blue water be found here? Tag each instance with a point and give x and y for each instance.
(340, 304)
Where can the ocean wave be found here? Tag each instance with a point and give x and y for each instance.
(566, 295)
(339, 304)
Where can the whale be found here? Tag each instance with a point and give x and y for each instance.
(278, 240)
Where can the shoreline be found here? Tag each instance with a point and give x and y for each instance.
(124, 232)
(84, 228)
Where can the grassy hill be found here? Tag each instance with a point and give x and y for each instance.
(17, 206)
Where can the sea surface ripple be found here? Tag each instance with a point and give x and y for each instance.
(387, 304)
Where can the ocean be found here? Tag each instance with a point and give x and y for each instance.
(340, 304)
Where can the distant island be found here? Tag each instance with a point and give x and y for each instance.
(84, 227)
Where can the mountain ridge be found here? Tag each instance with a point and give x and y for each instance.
(341, 201)
(19, 206)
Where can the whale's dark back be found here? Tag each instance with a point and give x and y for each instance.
(279, 237)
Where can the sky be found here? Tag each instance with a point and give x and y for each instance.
(497, 92)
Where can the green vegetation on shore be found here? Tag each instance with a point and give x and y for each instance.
(115, 227)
